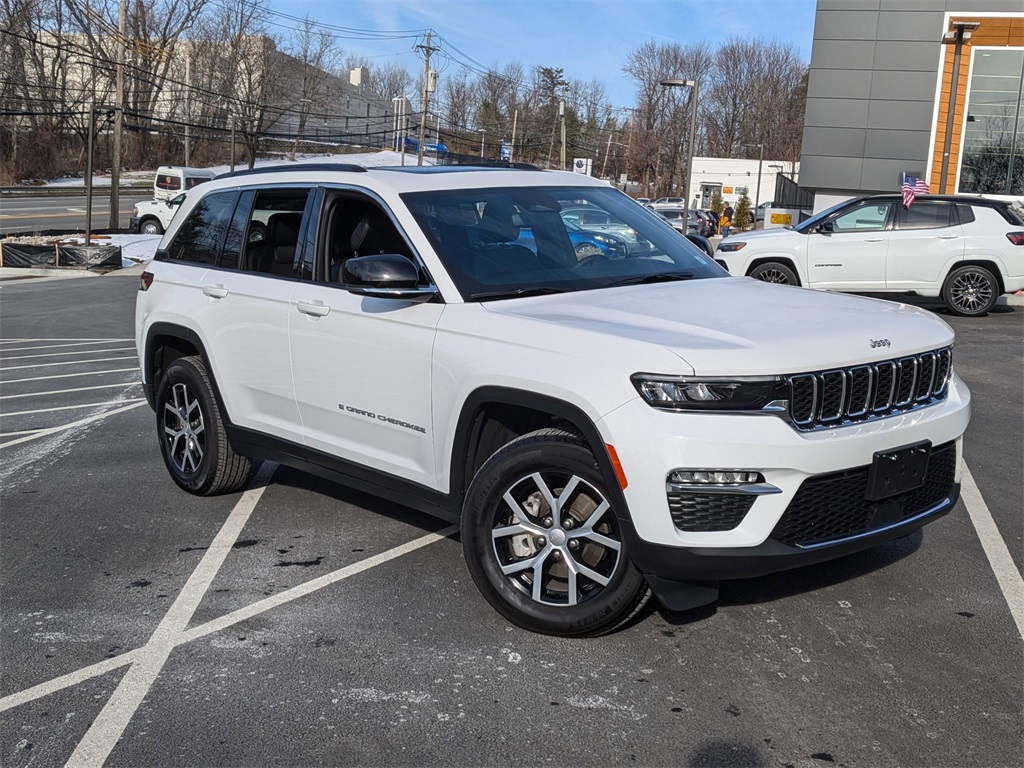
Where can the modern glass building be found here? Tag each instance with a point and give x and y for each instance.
(932, 88)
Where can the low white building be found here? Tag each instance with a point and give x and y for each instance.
(732, 176)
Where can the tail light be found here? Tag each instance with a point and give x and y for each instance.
(1017, 238)
(145, 281)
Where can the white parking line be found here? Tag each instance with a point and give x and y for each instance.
(998, 554)
(70, 375)
(71, 362)
(125, 385)
(65, 408)
(66, 354)
(22, 341)
(72, 425)
(75, 344)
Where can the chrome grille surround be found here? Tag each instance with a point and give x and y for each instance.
(840, 396)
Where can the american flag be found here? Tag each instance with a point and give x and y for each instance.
(912, 187)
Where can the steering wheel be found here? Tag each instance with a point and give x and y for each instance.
(591, 260)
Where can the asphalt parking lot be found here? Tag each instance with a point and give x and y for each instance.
(301, 623)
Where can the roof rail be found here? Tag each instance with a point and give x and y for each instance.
(498, 164)
(346, 167)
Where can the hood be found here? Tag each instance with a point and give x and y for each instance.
(741, 326)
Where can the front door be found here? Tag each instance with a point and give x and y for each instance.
(851, 255)
(362, 365)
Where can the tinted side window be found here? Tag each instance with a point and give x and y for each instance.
(201, 234)
(168, 181)
(274, 226)
(927, 216)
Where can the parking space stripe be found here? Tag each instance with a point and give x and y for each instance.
(44, 393)
(70, 362)
(66, 354)
(63, 408)
(72, 425)
(998, 554)
(75, 344)
(106, 729)
(70, 375)
(261, 606)
(22, 341)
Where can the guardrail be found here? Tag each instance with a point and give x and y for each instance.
(63, 191)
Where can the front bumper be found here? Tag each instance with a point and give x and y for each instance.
(651, 444)
(133, 224)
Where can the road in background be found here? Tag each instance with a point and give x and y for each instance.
(27, 215)
(331, 634)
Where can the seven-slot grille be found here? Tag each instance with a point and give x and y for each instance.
(858, 393)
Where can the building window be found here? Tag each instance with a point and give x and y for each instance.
(993, 155)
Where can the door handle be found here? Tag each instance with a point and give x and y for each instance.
(873, 239)
(316, 308)
(217, 291)
(948, 237)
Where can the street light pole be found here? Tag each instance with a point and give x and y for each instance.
(691, 139)
(232, 143)
(483, 135)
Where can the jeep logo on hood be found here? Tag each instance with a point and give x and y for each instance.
(875, 343)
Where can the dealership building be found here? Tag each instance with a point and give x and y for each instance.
(931, 88)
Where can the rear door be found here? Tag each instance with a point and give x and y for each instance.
(245, 315)
(852, 256)
(927, 241)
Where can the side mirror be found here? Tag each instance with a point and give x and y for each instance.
(826, 228)
(385, 276)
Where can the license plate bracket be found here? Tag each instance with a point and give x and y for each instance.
(898, 471)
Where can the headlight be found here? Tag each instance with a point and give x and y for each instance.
(729, 247)
(753, 393)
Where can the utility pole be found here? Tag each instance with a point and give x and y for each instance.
(188, 108)
(425, 101)
(607, 151)
(512, 151)
(561, 117)
(88, 172)
(115, 150)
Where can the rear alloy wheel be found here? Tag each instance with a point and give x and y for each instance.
(970, 291)
(773, 272)
(151, 227)
(542, 541)
(192, 437)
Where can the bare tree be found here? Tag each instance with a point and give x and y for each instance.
(314, 54)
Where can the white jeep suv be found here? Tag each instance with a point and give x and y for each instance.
(968, 250)
(602, 424)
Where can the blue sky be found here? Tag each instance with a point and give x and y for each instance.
(587, 38)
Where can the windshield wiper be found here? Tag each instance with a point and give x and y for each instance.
(515, 293)
(658, 277)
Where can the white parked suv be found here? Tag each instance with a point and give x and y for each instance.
(968, 250)
(601, 424)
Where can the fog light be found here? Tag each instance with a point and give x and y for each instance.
(714, 477)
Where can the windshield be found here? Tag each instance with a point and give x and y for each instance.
(807, 224)
(504, 242)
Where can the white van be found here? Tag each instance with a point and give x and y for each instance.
(172, 180)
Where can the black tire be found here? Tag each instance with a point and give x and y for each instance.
(970, 291)
(150, 227)
(193, 442)
(533, 471)
(774, 272)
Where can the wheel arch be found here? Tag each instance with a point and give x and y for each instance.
(492, 416)
(165, 343)
(150, 217)
(784, 260)
(987, 264)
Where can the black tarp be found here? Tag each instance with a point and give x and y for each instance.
(91, 256)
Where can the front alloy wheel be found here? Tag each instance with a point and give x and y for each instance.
(542, 540)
